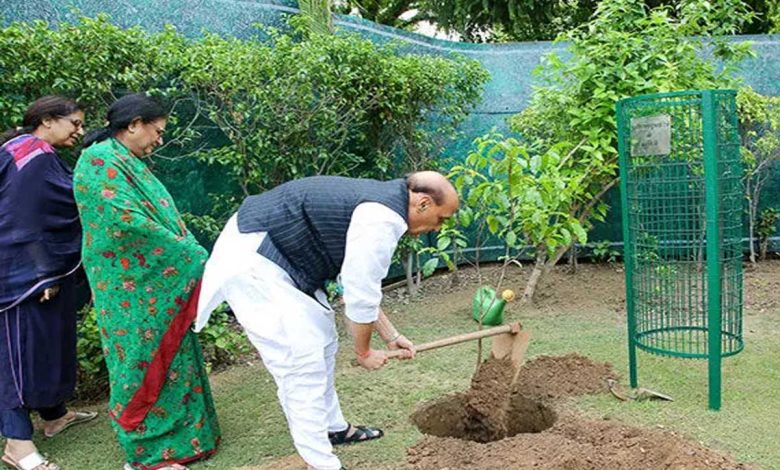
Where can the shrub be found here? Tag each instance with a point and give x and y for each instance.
(92, 372)
(325, 105)
(268, 109)
(625, 50)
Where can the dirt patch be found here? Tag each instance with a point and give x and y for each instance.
(479, 430)
(588, 287)
(572, 444)
(291, 462)
(551, 377)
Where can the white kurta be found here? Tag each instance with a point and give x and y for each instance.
(294, 333)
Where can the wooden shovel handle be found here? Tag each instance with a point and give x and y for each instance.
(440, 343)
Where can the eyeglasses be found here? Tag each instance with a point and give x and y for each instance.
(159, 130)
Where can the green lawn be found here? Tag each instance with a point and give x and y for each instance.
(254, 431)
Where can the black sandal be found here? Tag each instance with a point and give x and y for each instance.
(361, 434)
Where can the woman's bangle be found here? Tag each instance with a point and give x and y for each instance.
(397, 335)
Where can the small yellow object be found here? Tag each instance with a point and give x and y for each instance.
(508, 295)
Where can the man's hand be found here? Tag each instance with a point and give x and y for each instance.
(374, 360)
(402, 342)
(49, 293)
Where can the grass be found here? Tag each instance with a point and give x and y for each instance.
(255, 433)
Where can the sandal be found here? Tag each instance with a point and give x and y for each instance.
(34, 461)
(361, 434)
(78, 418)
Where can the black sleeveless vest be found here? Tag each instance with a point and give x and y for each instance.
(307, 221)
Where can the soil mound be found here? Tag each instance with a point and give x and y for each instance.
(572, 444)
(496, 427)
(552, 377)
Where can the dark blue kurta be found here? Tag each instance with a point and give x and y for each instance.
(40, 243)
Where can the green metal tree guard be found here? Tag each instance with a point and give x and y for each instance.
(682, 197)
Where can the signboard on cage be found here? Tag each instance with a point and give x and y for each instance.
(651, 135)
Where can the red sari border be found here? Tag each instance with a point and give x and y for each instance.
(183, 461)
(146, 396)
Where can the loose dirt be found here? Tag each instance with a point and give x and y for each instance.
(485, 429)
(487, 401)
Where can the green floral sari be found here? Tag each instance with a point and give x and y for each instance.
(144, 268)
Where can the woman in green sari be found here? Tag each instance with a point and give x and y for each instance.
(144, 269)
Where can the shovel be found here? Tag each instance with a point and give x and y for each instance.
(509, 342)
(639, 394)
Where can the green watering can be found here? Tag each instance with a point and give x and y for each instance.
(490, 306)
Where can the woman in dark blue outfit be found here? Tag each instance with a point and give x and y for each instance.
(40, 244)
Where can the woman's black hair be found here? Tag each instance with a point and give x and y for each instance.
(47, 107)
(124, 111)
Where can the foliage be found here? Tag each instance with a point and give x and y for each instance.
(92, 372)
(759, 126)
(604, 253)
(396, 13)
(534, 20)
(766, 227)
(91, 60)
(521, 197)
(318, 15)
(223, 340)
(450, 241)
(774, 18)
(267, 110)
(529, 20)
(326, 105)
(625, 50)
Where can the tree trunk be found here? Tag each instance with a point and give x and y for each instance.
(752, 232)
(573, 259)
(764, 248)
(536, 275)
(418, 283)
(411, 287)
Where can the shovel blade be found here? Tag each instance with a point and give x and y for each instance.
(511, 346)
(647, 394)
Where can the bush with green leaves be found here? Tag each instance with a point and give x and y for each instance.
(759, 129)
(765, 228)
(522, 198)
(329, 104)
(603, 252)
(625, 50)
(267, 109)
(91, 61)
(223, 340)
(92, 372)
(774, 17)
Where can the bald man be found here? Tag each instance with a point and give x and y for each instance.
(270, 265)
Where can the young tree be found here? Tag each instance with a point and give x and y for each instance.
(626, 50)
(523, 198)
(759, 122)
